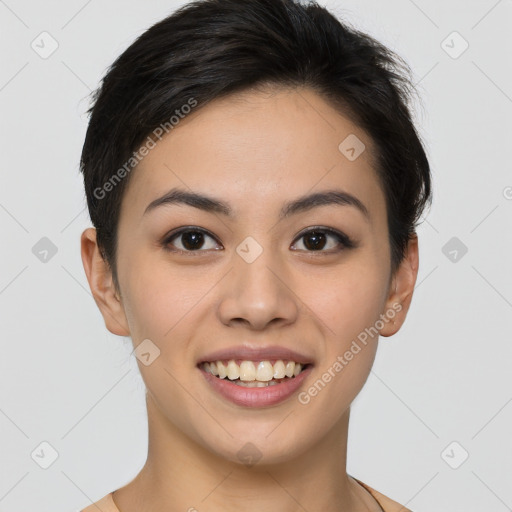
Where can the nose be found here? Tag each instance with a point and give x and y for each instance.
(258, 294)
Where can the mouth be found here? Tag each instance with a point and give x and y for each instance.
(255, 374)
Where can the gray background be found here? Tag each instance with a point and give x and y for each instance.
(444, 378)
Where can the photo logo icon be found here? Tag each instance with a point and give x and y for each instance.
(146, 352)
(454, 45)
(249, 454)
(249, 250)
(351, 147)
(44, 45)
(454, 455)
(454, 249)
(44, 250)
(44, 455)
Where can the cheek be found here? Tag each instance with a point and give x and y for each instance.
(348, 302)
(155, 299)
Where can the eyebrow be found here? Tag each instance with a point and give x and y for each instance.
(299, 205)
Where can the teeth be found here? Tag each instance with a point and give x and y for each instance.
(289, 368)
(213, 369)
(233, 370)
(247, 371)
(256, 384)
(265, 371)
(223, 371)
(253, 374)
(279, 370)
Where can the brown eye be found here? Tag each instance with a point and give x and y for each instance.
(189, 240)
(317, 239)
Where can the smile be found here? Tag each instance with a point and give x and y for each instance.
(240, 380)
(254, 373)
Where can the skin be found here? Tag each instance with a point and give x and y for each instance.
(255, 151)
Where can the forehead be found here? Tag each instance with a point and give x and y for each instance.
(257, 146)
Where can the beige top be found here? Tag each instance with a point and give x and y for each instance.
(106, 504)
(387, 504)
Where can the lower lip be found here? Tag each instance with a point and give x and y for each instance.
(256, 397)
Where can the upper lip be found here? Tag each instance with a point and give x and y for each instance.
(248, 353)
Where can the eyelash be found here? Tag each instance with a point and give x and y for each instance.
(343, 239)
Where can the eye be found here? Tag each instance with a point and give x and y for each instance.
(316, 239)
(190, 239)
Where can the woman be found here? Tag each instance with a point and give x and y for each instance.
(255, 182)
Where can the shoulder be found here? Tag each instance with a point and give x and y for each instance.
(386, 503)
(106, 504)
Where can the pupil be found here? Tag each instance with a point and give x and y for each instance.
(316, 238)
(192, 240)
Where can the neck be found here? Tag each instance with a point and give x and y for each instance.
(182, 475)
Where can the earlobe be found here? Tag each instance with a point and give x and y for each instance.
(101, 284)
(401, 289)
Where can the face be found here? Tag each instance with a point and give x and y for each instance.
(256, 275)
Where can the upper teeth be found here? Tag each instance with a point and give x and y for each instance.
(262, 371)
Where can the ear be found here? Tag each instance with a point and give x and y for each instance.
(102, 285)
(401, 289)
